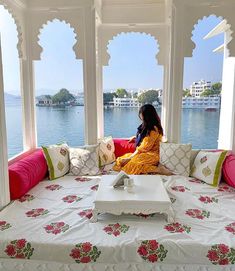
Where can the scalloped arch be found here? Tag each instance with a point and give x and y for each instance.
(76, 46)
(19, 45)
(106, 55)
(195, 22)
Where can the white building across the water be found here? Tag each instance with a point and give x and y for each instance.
(197, 88)
(201, 102)
(126, 102)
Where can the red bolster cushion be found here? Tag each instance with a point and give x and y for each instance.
(26, 173)
(229, 170)
(122, 146)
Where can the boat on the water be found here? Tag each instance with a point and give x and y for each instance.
(211, 109)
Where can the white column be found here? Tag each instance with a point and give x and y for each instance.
(165, 120)
(4, 179)
(89, 70)
(28, 90)
(173, 80)
(99, 78)
(227, 111)
(28, 98)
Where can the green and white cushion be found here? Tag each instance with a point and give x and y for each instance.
(84, 160)
(207, 166)
(57, 157)
(106, 151)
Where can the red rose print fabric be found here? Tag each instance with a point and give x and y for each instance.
(56, 227)
(53, 223)
(86, 213)
(152, 251)
(207, 199)
(37, 212)
(179, 188)
(71, 198)
(83, 179)
(26, 197)
(199, 214)
(4, 225)
(54, 187)
(221, 254)
(116, 229)
(20, 249)
(230, 228)
(85, 253)
(177, 228)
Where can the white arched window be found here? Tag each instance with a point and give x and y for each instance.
(59, 87)
(132, 70)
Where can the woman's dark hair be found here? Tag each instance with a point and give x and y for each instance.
(150, 119)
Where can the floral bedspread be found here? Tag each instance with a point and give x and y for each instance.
(52, 223)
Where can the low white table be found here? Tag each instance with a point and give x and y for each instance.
(149, 196)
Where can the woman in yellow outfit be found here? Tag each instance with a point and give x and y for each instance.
(145, 159)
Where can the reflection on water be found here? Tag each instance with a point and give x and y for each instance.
(55, 125)
(200, 128)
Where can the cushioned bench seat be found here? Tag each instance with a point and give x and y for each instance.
(51, 224)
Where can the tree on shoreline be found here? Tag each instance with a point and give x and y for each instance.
(108, 97)
(148, 97)
(186, 93)
(122, 93)
(63, 96)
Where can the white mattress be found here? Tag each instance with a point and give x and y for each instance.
(141, 241)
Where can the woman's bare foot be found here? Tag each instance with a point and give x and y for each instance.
(162, 170)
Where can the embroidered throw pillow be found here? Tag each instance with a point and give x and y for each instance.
(207, 166)
(176, 157)
(106, 151)
(57, 157)
(84, 160)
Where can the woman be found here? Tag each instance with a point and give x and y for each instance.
(149, 135)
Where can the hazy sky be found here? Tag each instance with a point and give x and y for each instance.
(132, 62)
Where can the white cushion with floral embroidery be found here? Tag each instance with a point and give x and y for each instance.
(106, 151)
(207, 166)
(84, 160)
(57, 157)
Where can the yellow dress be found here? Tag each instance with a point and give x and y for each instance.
(146, 159)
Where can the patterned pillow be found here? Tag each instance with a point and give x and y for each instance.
(176, 157)
(84, 160)
(57, 157)
(106, 151)
(207, 166)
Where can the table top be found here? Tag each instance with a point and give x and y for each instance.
(147, 189)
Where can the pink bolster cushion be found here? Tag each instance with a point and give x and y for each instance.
(26, 173)
(122, 146)
(229, 170)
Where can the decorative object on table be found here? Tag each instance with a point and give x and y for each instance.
(57, 157)
(129, 185)
(207, 166)
(106, 151)
(120, 179)
(176, 157)
(84, 160)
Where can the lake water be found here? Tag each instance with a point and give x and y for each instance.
(55, 125)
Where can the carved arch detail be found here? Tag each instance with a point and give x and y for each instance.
(40, 25)
(109, 36)
(19, 28)
(195, 19)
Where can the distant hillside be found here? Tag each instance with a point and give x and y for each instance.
(11, 98)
